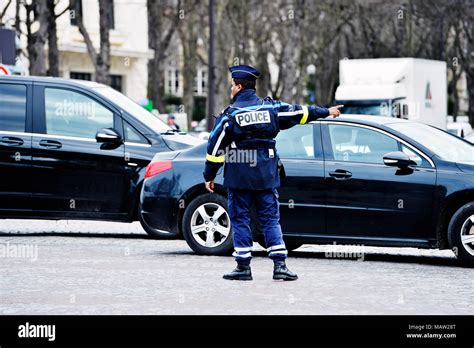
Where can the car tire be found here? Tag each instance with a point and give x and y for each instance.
(461, 234)
(153, 232)
(202, 232)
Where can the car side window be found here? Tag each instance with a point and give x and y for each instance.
(132, 135)
(71, 113)
(12, 107)
(296, 142)
(358, 144)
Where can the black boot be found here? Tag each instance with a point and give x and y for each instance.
(281, 272)
(241, 272)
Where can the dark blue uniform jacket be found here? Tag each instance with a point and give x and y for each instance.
(243, 139)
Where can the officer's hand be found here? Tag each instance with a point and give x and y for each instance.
(334, 111)
(210, 186)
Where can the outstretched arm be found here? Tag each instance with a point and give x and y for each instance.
(290, 115)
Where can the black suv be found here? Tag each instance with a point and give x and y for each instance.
(74, 149)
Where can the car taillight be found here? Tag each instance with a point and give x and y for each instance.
(155, 168)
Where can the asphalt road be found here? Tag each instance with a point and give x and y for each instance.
(63, 267)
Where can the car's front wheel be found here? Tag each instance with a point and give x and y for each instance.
(206, 225)
(461, 234)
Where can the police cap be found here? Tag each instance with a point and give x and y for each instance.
(244, 72)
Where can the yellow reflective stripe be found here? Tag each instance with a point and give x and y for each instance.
(215, 159)
(305, 114)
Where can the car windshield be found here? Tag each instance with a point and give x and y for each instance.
(375, 109)
(133, 109)
(446, 146)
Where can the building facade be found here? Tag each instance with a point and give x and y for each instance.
(129, 48)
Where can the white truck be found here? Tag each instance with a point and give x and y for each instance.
(410, 88)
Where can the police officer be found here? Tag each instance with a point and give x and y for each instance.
(246, 129)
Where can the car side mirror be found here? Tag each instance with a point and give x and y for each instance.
(397, 159)
(108, 135)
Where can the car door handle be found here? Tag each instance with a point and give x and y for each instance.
(50, 144)
(340, 174)
(11, 141)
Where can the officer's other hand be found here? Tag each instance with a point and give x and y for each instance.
(334, 111)
(210, 186)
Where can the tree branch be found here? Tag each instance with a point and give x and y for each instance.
(82, 29)
(62, 12)
(169, 34)
(5, 9)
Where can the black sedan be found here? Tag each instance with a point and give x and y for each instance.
(352, 180)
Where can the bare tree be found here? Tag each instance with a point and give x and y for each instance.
(238, 15)
(189, 30)
(225, 54)
(101, 59)
(17, 17)
(4, 10)
(42, 12)
(295, 33)
(53, 51)
(328, 41)
(163, 19)
(288, 34)
(261, 17)
(37, 11)
(464, 32)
